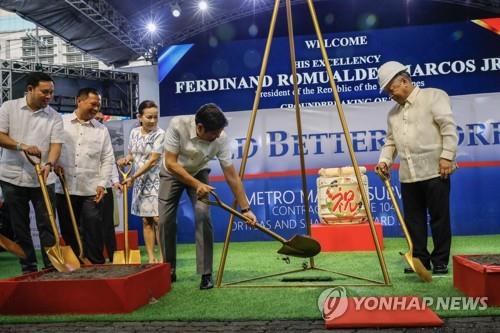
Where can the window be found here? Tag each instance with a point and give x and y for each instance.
(76, 58)
(45, 46)
(71, 58)
(71, 49)
(47, 60)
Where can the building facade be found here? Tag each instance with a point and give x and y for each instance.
(21, 40)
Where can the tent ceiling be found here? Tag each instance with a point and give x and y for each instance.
(114, 30)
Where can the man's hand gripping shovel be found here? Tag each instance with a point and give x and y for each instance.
(126, 256)
(298, 246)
(62, 257)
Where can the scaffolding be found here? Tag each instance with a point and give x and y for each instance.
(127, 83)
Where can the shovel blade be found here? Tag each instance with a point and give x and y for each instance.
(85, 261)
(300, 246)
(12, 247)
(417, 267)
(134, 257)
(409, 259)
(119, 258)
(70, 258)
(421, 271)
(63, 258)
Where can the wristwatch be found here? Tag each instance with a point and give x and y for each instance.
(18, 146)
(245, 210)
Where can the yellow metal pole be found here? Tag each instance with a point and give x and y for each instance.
(348, 139)
(251, 124)
(298, 119)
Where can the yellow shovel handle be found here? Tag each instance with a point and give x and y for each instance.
(62, 179)
(46, 197)
(398, 211)
(125, 174)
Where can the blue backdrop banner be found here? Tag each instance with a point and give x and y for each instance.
(273, 180)
(460, 58)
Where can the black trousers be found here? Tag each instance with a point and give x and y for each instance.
(108, 222)
(430, 197)
(88, 217)
(5, 225)
(17, 199)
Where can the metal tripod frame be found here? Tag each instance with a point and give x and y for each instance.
(364, 196)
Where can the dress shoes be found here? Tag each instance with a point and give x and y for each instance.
(408, 270)
(173, 276)
(440, 269)
(206, 282)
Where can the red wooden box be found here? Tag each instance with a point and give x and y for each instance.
(477, 280)
(346, 237)
(133, 242)
(23, 295)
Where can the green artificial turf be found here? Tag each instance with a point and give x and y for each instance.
(248, 260)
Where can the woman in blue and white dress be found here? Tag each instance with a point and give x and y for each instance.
(145, 149)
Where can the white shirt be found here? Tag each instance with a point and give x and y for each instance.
(194, 153)
(39, 128)
(422, 131)
(87, 156)
(115, 177)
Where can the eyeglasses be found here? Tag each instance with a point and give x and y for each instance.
(395, 83)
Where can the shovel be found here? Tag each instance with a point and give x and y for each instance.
(12, 247)
(298, 246)
(414, 263)
(126, 256)
(62, 257)
(81, 256)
